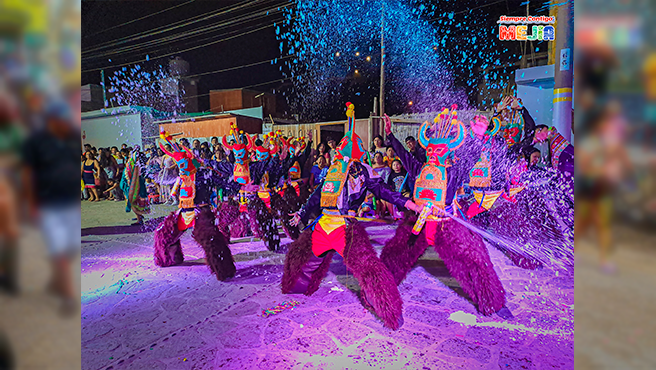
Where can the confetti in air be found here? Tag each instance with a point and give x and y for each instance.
(433, 57)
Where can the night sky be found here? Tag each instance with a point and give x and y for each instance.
(99, 16)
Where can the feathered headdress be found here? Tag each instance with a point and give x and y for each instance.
(351, 145)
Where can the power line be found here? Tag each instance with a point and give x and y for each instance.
(238, 67)
(249, 86)
(180, 51)
(138, 19)
(179, 37)
(171, 27)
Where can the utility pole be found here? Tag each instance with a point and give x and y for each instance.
(102, 79)
(563, 77)
(382, 66)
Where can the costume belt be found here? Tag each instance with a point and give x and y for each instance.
(351, 215)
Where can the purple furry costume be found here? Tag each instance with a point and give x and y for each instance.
(168, 251)
(251, 213)
(463, 251)
(338, 198)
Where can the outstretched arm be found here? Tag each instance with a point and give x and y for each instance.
(312, 205)
(383, 191)
(410, 163)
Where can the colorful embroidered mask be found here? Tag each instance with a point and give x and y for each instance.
(261, 153)
(295, 171)
(185, 159)
(431, 184)
(439, 144)
(243, 144)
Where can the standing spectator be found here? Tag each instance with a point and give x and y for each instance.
(168, 176)
(7, 361)
(214, 141)
(323, 152)
(333, 148)
(601, 166)
(196, 148)
(90, 171)
(219, 154)
(377, 145)
(414, 149)
(50, 184)
(108, 163)
(153, 164)
(120, 161)
(133, 185)
(10, 143)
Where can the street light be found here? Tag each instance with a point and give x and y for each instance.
(337, 54)
(368, 59)
(410, 102)
(357, 53)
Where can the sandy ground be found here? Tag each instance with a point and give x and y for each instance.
(138, 316)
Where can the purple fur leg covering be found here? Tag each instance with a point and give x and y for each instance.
(240, 228)
(319, 273)
(264, 224)
(227, 214)
(298, 255)
(290, 197)
(374, 278)
(304, 193)
(404, 249)
(468, 261)
(168, 251)
(281, 209)
(217, 253)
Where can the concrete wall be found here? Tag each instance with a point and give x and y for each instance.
(112, 130)
(535, 88)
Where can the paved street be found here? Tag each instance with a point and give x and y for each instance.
(40, 338)
(138, 316)
(615, 327)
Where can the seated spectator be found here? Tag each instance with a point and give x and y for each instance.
(377, 145)
(380, 166)
(390, 156)
(397, 180)
(319, 171)
(113, 191)
(153, 191)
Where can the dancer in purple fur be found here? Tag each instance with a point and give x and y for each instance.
(436, 182)
(249, 177)
(195, 187)
(337, 230)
